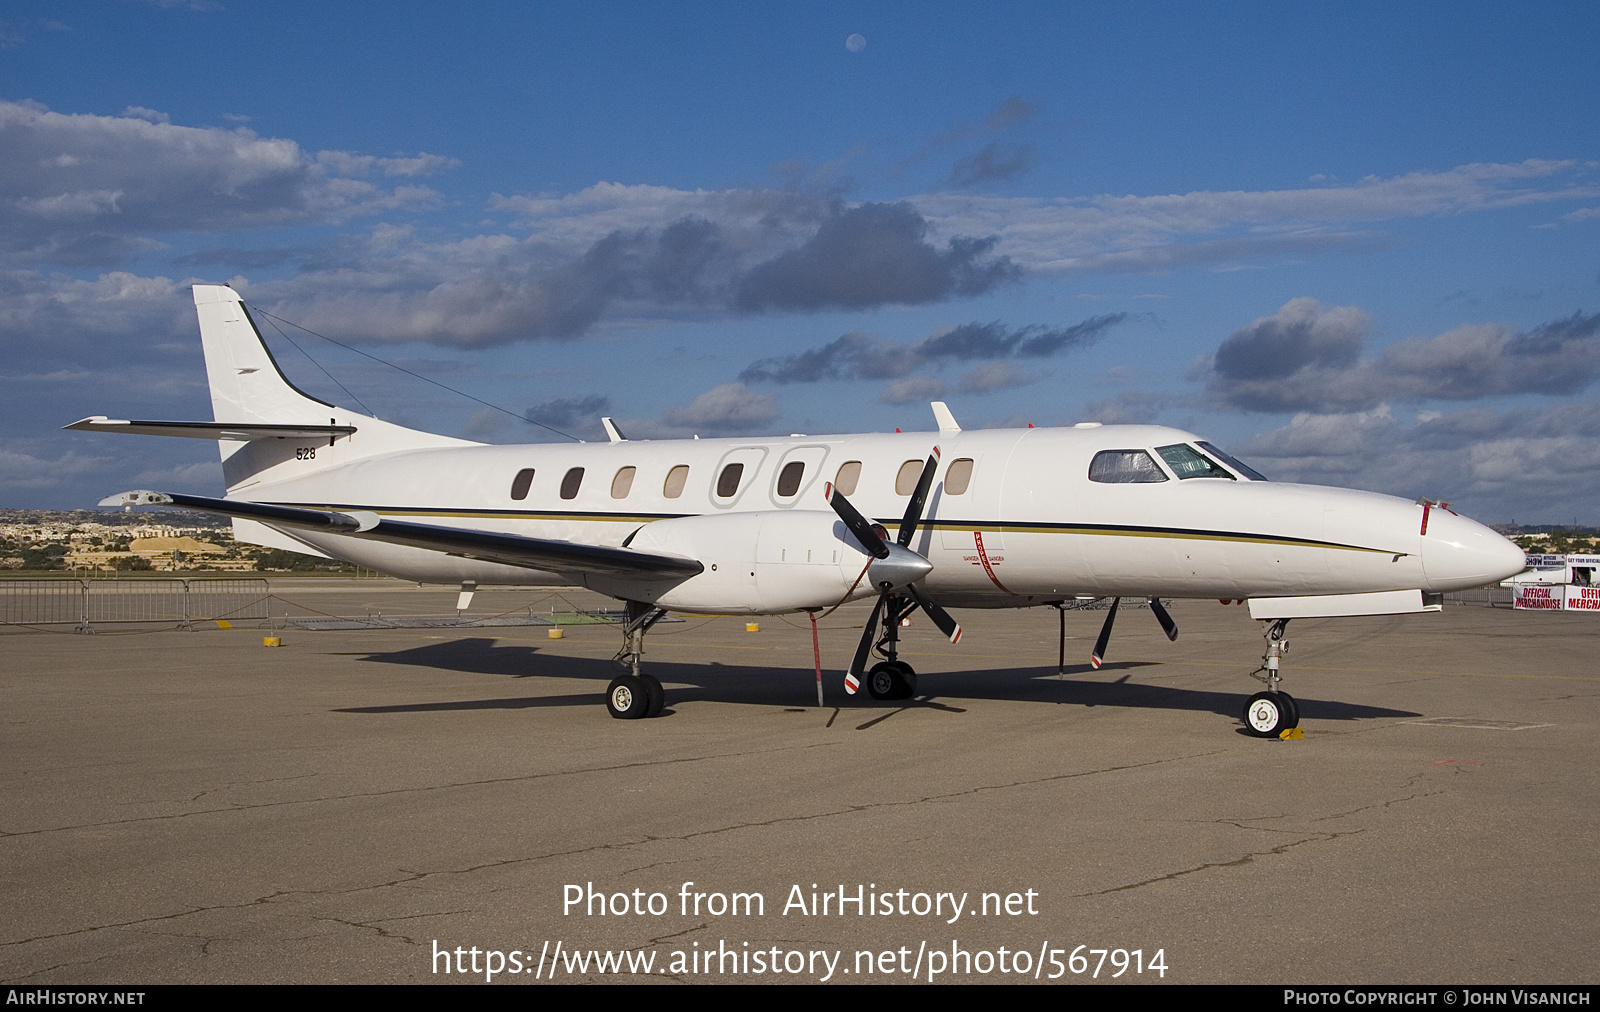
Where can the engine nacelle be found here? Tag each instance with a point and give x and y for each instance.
(756, 563)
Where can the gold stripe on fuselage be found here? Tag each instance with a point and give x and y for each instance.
(1174, 533)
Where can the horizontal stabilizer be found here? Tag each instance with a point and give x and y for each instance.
(1388, 602)
(210, 430)
(489, 546)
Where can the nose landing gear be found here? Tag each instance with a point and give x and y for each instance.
(1268, 714)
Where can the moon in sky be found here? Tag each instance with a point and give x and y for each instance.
(856, 43)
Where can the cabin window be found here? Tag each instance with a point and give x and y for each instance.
(1121, 467)
(1187, 462)
(849, 474)
(675, 481)
(570, 483)
(521, 483)
(1234, 462)
(728, 480)
(958, 477)
(622, 484)
(905, 482)
(789, 478)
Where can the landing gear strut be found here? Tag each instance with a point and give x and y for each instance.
(636, 694)
(893, 678)
(1268, 714)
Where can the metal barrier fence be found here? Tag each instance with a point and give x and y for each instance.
(1490, 597)
(82, 603)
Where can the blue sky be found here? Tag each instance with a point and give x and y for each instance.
(1356, 244)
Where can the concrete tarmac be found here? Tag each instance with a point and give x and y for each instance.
(192, 807)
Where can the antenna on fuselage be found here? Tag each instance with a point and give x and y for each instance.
(942, 415)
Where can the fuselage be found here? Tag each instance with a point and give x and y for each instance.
(1014, 518)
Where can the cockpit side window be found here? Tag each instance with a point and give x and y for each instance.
(1233, 462)
(1121, 467)
(1187, 462)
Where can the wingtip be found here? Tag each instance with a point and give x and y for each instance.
(140, 497)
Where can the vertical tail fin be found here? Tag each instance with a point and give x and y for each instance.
(247, 387)
(246, 383)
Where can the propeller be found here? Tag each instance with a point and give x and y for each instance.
(894, 567)
(1105, 635)
(1167, 626)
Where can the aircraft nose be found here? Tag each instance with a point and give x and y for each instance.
(1458, 554)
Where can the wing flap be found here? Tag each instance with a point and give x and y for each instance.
(489, 546)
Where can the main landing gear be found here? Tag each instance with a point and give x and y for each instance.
(893, 678)
(636, 694)
(1270, 713)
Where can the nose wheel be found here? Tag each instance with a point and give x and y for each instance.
(1270, 713)
(1267, 714)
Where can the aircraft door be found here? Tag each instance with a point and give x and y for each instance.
(969, 515)
(797, 474)
(735, 474)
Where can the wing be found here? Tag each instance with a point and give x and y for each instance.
(489, 546)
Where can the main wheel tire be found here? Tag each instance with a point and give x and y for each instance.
(658, 695)
(884, 680)
(627, 698)
(908, 680)
(1265, 715)
(1292, 706)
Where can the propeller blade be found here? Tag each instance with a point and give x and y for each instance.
(858, 664)
(941, 618)
(908, 526)
(1167, 625)
(858, 524)
(1099, 654)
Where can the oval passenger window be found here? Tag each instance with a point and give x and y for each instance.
(675, 481)
(520, 484)
(728, 480)
(905, 482)
(570, 483)
(789, 478)
(622, 484)
(849, 474)
(958, 477)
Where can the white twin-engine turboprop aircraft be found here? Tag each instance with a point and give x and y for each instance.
(985, 519)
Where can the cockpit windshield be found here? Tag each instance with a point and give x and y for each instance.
(1187, 462)
(1234, 462)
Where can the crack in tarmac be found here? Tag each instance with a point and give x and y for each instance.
(417, 876)
(1246, 859)
(370, 926)
(58, 966)
(1315, 837)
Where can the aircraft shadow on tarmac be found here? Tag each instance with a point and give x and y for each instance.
(768, 686)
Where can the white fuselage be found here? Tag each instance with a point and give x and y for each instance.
(1029, 527)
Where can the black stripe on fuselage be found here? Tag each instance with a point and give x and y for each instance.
(1001, 526)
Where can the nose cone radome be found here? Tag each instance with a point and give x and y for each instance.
(1458, 554)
